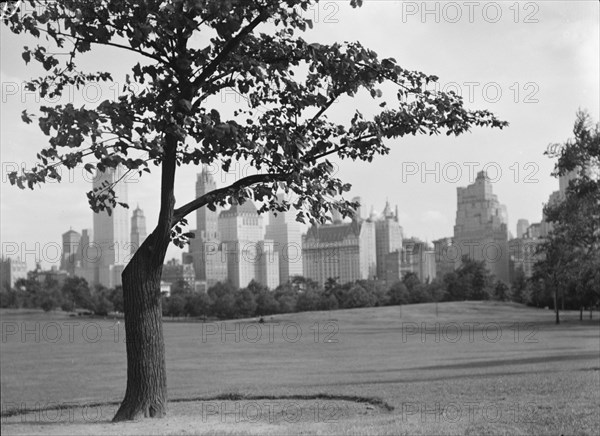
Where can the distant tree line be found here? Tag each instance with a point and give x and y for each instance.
(471, 281)
(74, 293)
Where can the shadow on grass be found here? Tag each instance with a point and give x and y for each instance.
(372, 401)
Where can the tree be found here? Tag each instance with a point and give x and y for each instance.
(398, 294)
(501, 291)
(198, 305)
(245, 303)
(471, 281)
(572, 249)
(223, 300)
(175, 305)
(411, 280)
(356, 296)
(166, 118)
(116, 298)
(101, 303)
(50, 296)
(76, 293)
(519, 286)
(181, 287)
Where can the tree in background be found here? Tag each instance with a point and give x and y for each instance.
(501, 291)
(518, 287)
(101, 301)
(116, 298)
(572, 249)
(199, 304)
(181, 287)
(471, 281)
(76, 293)
(398, 294)
(166, 118)
(245, 304)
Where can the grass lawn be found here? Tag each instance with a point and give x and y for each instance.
(475, 368)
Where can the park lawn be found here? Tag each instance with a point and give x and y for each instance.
(475, 368)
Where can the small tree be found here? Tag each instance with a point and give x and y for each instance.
(166, 118)
(518, 286)
(501, 291)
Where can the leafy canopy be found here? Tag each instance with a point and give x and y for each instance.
(184, 52)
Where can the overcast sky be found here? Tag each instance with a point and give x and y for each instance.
(531, 63)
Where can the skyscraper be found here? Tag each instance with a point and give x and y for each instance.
(90, 255)
(522, 226)
(481, 231)
(111, 232)
(388, 236)
(70, 251)
(249, 256)
(445, 256)
(138, 229)
(205, 248)
(286, 235)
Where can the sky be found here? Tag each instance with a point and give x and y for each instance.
(533, 64)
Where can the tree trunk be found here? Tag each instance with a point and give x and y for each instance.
(556, 304)
(146, 393)
(580, 313)
(591, 308)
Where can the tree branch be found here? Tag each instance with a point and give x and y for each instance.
(188, 208)
(228, 48)
(112, 44)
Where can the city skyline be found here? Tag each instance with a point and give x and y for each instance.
(545, 71)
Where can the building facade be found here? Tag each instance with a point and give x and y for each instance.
(138, 229)
(11, 270)
(285, 232)
(173, 272)
(206, 249)
(342, 251)
(242, 232)
(71, 252)
(111, 232)
(522, 226)
(446, 256)
(388, 238)
(481, 230)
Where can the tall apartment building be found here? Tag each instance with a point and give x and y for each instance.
(138, 229)
(446, 256)
(90, 254)
(481, 231)
(71, 252)
(111, 232)
(205, 248)
(522, 226)
(249, 256)
(346, 251)
(388, 238)
(285, 232)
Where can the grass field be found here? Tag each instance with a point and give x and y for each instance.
(475, 368)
